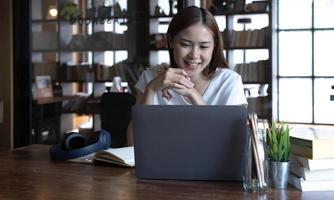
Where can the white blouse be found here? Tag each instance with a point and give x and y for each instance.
(225, 88)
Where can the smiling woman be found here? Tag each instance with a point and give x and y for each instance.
(198, 73)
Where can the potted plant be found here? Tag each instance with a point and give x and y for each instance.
(278, 149)
(71, 11)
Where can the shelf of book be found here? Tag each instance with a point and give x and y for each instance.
(81, 20)
(160, 15)
(68, 48)
(76, 50)
(312, 171)
(246, 31)
(244, 13)
(246, 48)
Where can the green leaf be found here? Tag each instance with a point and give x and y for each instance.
(278, 142)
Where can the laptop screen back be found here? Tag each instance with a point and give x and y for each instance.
(189, 142)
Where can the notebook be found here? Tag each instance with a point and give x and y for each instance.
(185, 142)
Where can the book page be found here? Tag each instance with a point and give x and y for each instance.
(117, 155)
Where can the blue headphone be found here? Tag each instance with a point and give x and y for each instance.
(75, 145)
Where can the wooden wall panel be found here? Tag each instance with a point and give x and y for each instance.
(6, 75)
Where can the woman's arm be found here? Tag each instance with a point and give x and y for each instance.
(129, 131)
(196, 98)
(147, 97)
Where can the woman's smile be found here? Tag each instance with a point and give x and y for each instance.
(192, 65)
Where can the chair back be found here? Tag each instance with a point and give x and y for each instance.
(115, 112)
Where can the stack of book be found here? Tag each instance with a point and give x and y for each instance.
(312, 159)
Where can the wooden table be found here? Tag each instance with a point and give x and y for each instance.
(28, 173)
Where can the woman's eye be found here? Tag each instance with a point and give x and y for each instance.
(204, 47)
(185, 45)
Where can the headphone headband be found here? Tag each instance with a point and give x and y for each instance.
(103, 142)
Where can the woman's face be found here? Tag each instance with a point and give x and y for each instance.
(192, 48)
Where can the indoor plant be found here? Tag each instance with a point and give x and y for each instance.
(278, 149)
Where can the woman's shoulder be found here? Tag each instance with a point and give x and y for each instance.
(146, 76)
(150, 73)
(226, 73)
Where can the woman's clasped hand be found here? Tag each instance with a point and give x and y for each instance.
(172, 79)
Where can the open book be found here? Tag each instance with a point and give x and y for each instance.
(120, 156)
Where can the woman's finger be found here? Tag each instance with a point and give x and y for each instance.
(179, 71)
(166, 94)
(186, 81)
(176, 85)
(178, 78)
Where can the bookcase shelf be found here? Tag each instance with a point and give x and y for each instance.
(158, 25)
(161, 17)
(76, 50)
(158, 49)
(243, 35)
(79, 20)
(81, 44)
(243, 13)
(255, 82)
(246, 48)
(44, 21)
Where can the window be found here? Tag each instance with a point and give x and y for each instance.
(305, 70)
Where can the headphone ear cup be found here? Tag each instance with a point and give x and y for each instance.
(73, 140)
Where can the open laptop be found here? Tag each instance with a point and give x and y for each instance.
(185, 142)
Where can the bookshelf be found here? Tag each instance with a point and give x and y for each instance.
(77, 43)
(160, 15)
(246, 27)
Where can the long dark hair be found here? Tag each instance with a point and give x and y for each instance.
(192, 15)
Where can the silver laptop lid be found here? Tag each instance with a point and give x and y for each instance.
(189, 142)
